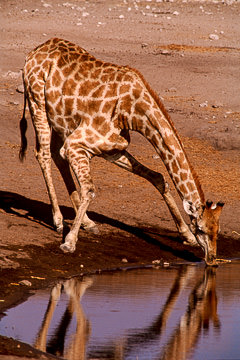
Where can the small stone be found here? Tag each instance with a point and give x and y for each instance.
(176, 13)
(213, 37)
(20, 89)
(13, 74)
(25, 283)
(157, 262)
(217, 105)
(162, 52)
(124, 260)
(121, 16)
(165, 52)
(204, 104)
(172, 89)
(14, 103)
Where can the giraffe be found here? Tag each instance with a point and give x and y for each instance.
(83, 107)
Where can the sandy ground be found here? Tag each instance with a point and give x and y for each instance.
(188, 51)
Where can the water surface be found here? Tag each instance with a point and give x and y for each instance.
(182, 312)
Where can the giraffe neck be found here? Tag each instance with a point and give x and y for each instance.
(160, 131)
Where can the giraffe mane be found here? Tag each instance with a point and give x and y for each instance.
(165, 113)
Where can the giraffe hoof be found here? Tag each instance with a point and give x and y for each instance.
(59, 230)
(67, 248)
(93, 230)
(61, 227)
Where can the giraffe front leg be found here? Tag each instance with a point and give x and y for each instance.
(63, 166)
(128, 162)
(79, 161)
(183, 229)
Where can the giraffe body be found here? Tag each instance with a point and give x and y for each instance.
(82, 107)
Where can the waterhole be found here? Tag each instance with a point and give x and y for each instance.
(180, 312)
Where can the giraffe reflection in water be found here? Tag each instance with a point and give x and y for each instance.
(201, 311)
(74, 289)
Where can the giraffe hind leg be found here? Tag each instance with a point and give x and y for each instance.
(64, 169)
(43, 155)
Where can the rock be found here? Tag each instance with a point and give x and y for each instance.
(25, 283)
(20, 89)
(213, 37)
(162, 52)
(217, 105)
(204, 104)
(13, 74)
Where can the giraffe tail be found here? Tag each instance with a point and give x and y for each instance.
(23, 129)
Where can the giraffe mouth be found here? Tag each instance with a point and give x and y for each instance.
(211, 261)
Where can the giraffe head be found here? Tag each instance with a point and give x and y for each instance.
(205, 226)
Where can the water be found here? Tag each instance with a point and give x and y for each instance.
(184, 312)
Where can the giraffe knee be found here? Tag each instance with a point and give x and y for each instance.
(62, 152)
(89, 193)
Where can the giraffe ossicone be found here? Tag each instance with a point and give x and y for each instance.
(82, 107)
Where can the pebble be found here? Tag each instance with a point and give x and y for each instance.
(172, 89)
(204, 104)
(162, 52)
(157, 262)
(20, 89)
(217, 105)
(124, 260)
(14, 103)
(12, 74)
(213, 37)
(25, 283)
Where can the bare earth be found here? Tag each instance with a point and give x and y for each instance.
(189, 53)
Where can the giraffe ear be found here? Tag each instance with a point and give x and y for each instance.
(189, 208)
